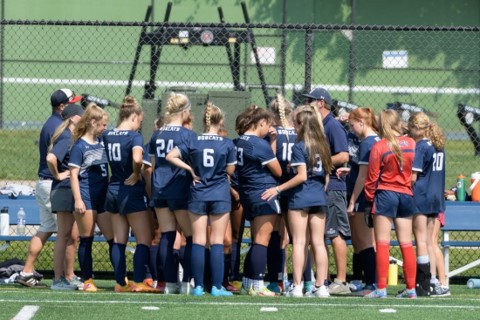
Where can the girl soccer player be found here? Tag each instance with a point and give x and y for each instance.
(62, 199)
(212, 158)
(389, 185)
(171, 189)
(286, 135)
(428, 190)
(89, 180)
(126, 196)
(364, 125)
(307, 205)
(258, 169)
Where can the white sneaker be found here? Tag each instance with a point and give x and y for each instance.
(320, 292)
(294, 291)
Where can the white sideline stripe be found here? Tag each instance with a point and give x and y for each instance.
(225, 85)
(26, 313)
(317, 304)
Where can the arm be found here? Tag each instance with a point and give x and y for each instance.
(53, 167)
(137, 154)
(147, 176)
(414, 177)
(230, 169)
(275, 168)
(174, 157)
(373, 173)
(272, 133)
(75, 185)
(299, 178)
(340, 158)
(358, 188)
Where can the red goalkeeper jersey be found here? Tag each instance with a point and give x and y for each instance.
(384, 171)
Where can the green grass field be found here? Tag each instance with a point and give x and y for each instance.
(106, 304)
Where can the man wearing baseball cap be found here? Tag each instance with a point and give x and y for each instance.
(48, 224)
(337, 227)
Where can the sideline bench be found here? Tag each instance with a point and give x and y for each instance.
(460, 217)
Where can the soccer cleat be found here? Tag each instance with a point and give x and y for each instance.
(294, 291)
(222, 292)
(273, 286)
(29, 280)
(307, 286)
(377, 293)
(262, 292)
(198, 291)
(439, 291)
(120, 288)
(171, 288)
(185, 288)
(320, 292)
(366, 290)
(62, 284)
(407, 293)
(355, 285)
(236, 284)
(244, 291)
(89, 286)
(231, 288)
(149, 282)
(338, 287)
(142, 287)
(76, 281)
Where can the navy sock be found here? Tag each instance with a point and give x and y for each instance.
(357, 266)
(187, 260)
(247, 265)
(216, 264)
(258, 261)
(153, 262)
(141, 259)
(274, 259)
(235, 261)
(85, 257)
(198, 264)
(110, 246)
(119, 263)
(307, 274)
(166, 256)
(367, 257)
(207, 277)
(226, 266)
(283, 255)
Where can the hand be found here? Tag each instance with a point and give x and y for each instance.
(80, 207)
(196, 179)
(64, 175)
(272, 133)
(342, 172)
(269, 194)
(132, 179)
(350, 209)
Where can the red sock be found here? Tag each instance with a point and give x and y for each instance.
(382, 259)
(409, 264)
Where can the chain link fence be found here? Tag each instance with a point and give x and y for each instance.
(431, 69)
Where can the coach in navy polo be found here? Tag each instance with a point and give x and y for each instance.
(337, 226)
(48, 225)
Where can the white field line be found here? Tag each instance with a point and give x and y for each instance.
(317, 304)
(26, 313)
(226, 85)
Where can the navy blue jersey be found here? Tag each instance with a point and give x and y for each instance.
(311, 192)
(119, 145)
(285, 140)
(353, 152)
(428, 190)
(210, 154)
(61, 150)
(169, 181)
(337, 140)
(253, 154)
(234, 176)
(93, 164)
(46, 134)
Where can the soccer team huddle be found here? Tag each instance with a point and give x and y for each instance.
(299, 175)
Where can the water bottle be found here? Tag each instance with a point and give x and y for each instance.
(461, 188)
(21, 222)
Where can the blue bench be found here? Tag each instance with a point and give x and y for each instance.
(460, 217)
